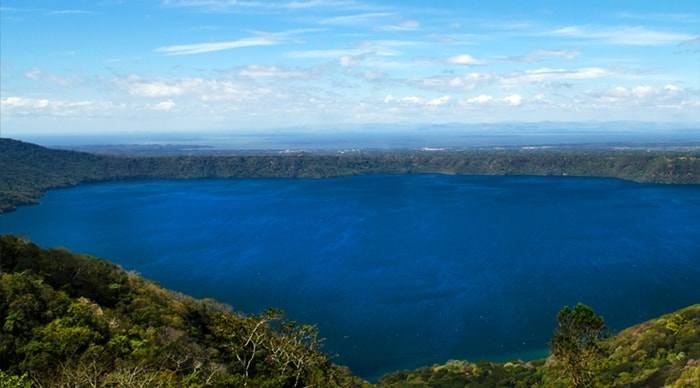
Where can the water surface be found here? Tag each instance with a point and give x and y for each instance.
(398, 271)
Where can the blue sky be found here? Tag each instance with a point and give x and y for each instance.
(203, 65)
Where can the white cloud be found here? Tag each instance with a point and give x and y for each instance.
(37, 74)
(554, 75)
(321, 4)
(467, 81)
(166, 105)
(406, 25)
(411, 99)
(667, 95)
(261, 38)
(672, 88)
(464, 59)
(513, 81)
(229, 5)
(20, 102)
(203, 89)
(513, 100)
(416, 100)
(363, 52)
(146, 88)
(378, 48)
(372, 75)
(533, 56)
(355, 19)
(348, 60)
(33, 74)
(631, 102)
(261, 71)
(677, 17)
(199, 48)
(541, 54)
(26, 106)
(332, 53)
(439, 101)
(692, 45)
(642, 91)
(488, 100)
(69, 12)
(387, 46)
(633, 36)
(480, 99)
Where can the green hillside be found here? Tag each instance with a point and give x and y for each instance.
(74, 320)
(69, 320)
(28, 170)
(663, 352)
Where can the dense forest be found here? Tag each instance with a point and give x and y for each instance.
(28, 170)
(78, 321)
(69, 320)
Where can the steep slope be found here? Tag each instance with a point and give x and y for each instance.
(73, 320)
(28, 170)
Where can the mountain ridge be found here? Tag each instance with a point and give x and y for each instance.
(29, 170)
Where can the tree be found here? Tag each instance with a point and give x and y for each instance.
(13, 381)
(575, 344)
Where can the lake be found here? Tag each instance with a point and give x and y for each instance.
(397, 271)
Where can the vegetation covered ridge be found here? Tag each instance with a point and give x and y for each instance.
(662, 352)
(74, 320)
(69, 320)
(28, 170)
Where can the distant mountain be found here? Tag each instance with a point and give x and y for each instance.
(28, 170)
(74, 320)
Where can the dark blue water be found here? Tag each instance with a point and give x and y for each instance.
(398, 271)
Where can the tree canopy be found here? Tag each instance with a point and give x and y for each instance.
(575, 345)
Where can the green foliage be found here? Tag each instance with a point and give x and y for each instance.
(575, 346)
(654, 353)
(29, 170)
(465, 374)
(661, 352)
(73, 320)
(13, 381)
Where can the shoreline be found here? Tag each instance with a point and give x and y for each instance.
(36, 200)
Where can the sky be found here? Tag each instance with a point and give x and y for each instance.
(110, 66)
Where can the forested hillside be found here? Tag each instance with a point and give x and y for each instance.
(74, 320)
(663, 352)
(69, 320)
(28, 170)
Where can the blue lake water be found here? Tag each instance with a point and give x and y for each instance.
(398, 271)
